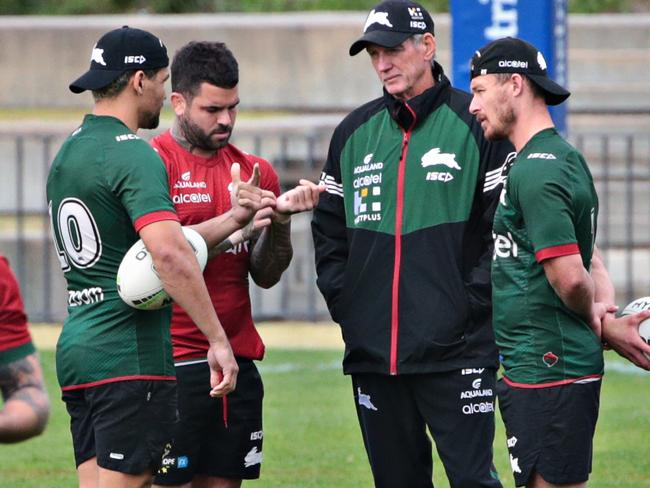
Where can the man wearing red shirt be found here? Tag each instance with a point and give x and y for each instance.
(26, 406)
(219, 441)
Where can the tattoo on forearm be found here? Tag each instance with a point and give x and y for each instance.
(271, 254)
(19, 374)
(221, 247)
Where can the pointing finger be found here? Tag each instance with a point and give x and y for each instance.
(255, 177)
(235, 174)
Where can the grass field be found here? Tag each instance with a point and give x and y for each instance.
(312, 438)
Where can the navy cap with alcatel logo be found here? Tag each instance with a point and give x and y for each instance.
(392, 22)
(118, 51)
(511, 55)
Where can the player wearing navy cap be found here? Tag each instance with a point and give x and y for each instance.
(552, 295)
(106, 186)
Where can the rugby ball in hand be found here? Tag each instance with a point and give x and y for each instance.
(138, 283)
(637, 306)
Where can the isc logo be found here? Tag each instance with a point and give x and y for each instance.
(439, 176)
(134, 59)
(257, 435)
(126, 137)
(541, 156)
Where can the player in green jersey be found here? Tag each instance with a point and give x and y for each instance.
(551, 291)
(106, 187)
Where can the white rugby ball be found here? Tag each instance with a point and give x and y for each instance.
(637, 306)
(138, 283)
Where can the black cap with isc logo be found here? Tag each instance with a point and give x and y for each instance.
(392, 22)
(118, 51)
(511, 55)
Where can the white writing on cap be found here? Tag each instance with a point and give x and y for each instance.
(510, 63)
(377, 18)
(541, 61)
(134, 59)
(98, 56)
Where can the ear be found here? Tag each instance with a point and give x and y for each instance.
(179, 103)
(430, 46)
(136, 82)
(517, 84)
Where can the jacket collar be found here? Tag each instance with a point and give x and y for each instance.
(411, 113)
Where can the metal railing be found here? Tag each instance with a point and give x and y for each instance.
(620, 163)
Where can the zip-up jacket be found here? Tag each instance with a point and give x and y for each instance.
(403, 234)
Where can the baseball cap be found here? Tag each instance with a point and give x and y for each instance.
(392, 22)
(511, 55)
(118, 51)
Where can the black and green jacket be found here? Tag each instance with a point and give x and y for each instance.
(403, 234)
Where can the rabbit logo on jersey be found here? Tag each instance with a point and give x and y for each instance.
(435, 157)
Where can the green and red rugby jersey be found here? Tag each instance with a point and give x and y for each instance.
(105, 184)
(199, 190)
(15, 340)
(548, 209)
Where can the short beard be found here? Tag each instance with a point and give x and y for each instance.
(195, 137)
(149, 120)
(506, 118)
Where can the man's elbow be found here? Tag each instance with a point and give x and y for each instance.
(24, 416)
(169, 260)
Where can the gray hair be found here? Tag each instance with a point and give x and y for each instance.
(416, 39)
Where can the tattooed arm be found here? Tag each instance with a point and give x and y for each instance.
(26, 405)
(272, 251)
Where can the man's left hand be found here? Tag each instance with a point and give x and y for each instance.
(299, 199)
(622, 335)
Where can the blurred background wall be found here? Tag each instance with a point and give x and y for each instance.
(297, 82)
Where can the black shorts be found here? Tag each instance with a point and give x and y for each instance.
(550, 430)
(212, 440)
(125, 424)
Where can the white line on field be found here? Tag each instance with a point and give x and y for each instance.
(614, 367)
(290, 367)
(625, 368)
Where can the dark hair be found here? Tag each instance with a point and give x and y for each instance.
(115, 87)
(199, 62)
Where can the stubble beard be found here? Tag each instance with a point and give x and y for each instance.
(505, 119)
(149, 120)
(198, 138)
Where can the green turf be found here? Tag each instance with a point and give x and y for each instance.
(312, 438)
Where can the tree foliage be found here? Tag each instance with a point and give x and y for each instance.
(75, 7)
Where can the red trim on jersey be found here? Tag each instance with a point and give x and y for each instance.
(556, 252)
(119, 378)
(514, 384)
(152, 217)
(399, 216)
